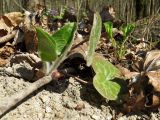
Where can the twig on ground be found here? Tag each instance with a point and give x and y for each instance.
(80, 80)
(80, 43)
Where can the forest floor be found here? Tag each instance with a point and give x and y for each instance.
(63, 101)
(66, 99)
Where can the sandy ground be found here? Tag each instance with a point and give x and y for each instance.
(62, 100)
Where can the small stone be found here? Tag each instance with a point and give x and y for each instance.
(60, 115)
(109, 117)
(37, 106)
(25, 116)
(45, 99)
(95, 117)
(154, 116)
(40, 116)
(48, 109)
(80, 105)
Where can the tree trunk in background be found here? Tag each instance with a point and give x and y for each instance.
(128, 10)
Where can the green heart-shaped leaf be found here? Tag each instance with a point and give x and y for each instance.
(63, 36)
(49, 47)
(94, 37)
(46, 46)
(104, 80)
(68, 46)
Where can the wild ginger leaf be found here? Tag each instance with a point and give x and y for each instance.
(104, 81)
(68, 46)
(127, 29)
(63, 36)
(46, 46)
(49, 47)
(109, 28)
(94, 37)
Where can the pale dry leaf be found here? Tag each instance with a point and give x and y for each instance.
(32, 59)
(155, 100)
(140, 46)
(18, 37)
(8, 37)
(135, 102)
(5, 54)
(30, 39)
(116, 31)
(3, 62)
(6, 51)
(127, 74)
(27, 20)
(79, 48)
(112, 12)
(154, 79)
(7, 23)
(4, 27)
(13, 18)
(152, 61)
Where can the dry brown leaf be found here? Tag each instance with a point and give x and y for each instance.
(3, 32)
(8, 37)
(140, 46)
(127, 74)
(135, 102)
(4, 27)
(27, 20)
(39, 8)
(142, 92)
(154, 79)
(112, 12)
(5, 53)
(31, 41)
(152, 68)
(3, 62)
(13, 18)
(7, 23)
(79, 48)
(116, 31)
(152, 61)
(155, 100)
(38, 74)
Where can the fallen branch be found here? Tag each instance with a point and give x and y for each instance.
(9, 102)
(80, 80)
(8, 37)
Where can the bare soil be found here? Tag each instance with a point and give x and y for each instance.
(60, 100)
